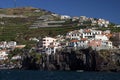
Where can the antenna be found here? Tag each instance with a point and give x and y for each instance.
(15, 3)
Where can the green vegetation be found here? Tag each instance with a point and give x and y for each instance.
(18, 28)
(25, 11)
(13, 28)
(15, 52)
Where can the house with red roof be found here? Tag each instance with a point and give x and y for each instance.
(90, 37)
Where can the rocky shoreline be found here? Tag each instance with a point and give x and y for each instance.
(73, 60)
(70, 60)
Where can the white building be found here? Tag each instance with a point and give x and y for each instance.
(101, 37)
(16, 57)
(65, 17)
(50, 45)
(47, 41)
(107, 32)
(107, 44)
(34, 39)
(83, 18)
(83, 33)
(75, 35)
(103, 23)
(10, 44)
(75, 18)
(96, 32)
(88, 34)
(83, 43)
(94, 22)
(3, 55)
(52, 48)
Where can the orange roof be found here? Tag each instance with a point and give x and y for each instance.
(83, 39)
(74, 41)
(109, 35)
(87, 30)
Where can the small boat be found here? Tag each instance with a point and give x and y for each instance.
(80, 71)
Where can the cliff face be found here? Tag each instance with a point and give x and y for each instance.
(83, 59)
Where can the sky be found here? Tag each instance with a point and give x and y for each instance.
(106, 9)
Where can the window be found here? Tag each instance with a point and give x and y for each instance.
(44, 40)
(106, 42)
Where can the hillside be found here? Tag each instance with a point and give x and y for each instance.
(15, 24)
(23, 24)
(25, 11)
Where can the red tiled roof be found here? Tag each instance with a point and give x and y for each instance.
(87, 30)
(109, 35)
(74, 41)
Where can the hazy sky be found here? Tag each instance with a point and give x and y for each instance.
(107, 9)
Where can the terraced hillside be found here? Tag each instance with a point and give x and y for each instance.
(15, 23)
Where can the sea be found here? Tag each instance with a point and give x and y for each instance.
(57, 75)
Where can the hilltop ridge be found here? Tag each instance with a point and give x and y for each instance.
(25, 11)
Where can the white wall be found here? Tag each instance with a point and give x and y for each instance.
(47, 41)
(101, 37)
(3, 55)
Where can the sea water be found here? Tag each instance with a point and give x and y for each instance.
(56, 75)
